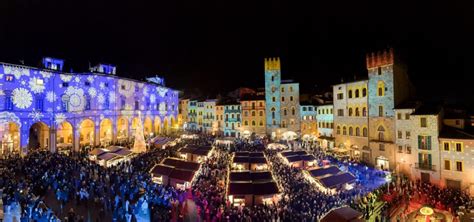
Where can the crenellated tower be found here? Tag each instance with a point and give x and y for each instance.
(272, 93)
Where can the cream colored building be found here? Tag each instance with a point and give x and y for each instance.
(253, 116)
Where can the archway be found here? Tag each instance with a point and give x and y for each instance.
(122, 129)
(147, 127)
(64, 136)
(105, 132)
(86, 132)
(166, 125)
(11, 139)
(38, 136)
(135, 122)
(157, 125)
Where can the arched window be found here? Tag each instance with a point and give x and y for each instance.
(357, 131)
(381, 133)
(364, 92)
(350, 94)
(283, 124)
(291, 88)
(350, 111)
(282, 89)
(380, 88)
(350, 131)
(246, 113)
(260, 123)
(260, 113)
(357, 93)
(338, 130)
(357, 111)
(283, 99)
(284, 112)
(291, 98)
(364, 132)
(364, 111)
(253, 122)
(246, 122)
(344, 132)
(273, 78)
(273, 99)
(253, 113)
(293, 111)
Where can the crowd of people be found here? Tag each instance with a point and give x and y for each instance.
(44, 186)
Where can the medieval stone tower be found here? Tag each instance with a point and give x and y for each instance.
(272, 93)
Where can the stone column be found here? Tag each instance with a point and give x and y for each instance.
(24, 137)
(52, 139)
(96, 135)
(75, 139)
(114, 131)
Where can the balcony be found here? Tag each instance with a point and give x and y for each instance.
(425, 166)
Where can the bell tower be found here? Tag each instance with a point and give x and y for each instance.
(272, 93)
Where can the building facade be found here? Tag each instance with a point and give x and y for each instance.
(405, 157)
(325, 124)
(351, 121)
(232, 119)
(220, 119)
(253, 116)
(209, 117)
(45, 108)
(192, 116)
(309, 128)
(183, 113)
(290, 107)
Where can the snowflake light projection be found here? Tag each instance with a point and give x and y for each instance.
(100, 98)
(145, 91)
(36, 85)
(46, 74)
(112, 97)
(65, 78)
(152, 98)
(77, 79)
(35, 115)
(90, 79)
(101, 86)
(59, 118)
(22, 98)
(76, 98)
(92, 92)
(161, 91)
(51, 96)
(126, 88)
(18, 72)
(162, 108)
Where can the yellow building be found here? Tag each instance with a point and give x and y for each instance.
(220, 120)
(183, 112)
(253, 116)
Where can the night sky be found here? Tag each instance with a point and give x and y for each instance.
(217, 46)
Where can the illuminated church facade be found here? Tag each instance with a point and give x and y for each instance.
(48, 109)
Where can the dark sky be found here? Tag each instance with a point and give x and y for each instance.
(220, 45)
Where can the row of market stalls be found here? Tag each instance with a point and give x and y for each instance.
(181, 171)
(298, 159)
(110, 156)
(330, 178)
(249, 181)
(175, 172)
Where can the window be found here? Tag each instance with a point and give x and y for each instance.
(350, 130)
(344, 130)
(364, 132)
(407, 135)
(408, 149)
(246, 113)
(350, 111)
(399, 116)
(459, 147)
(407, 115)
(400, 149)
(381, 147)
(283, 99)
(246, 123)
(283, 124)
(291, 88)
(282, 89)
(273, 114)
(273, 78)
(65, 84)
(253, 113)
(304, 108)
(400, 134)
(446, 146)
(260, 123)
(9, 78)
(424, 142)
(291, 98)
(39, 103)
(380, 88)
(293, 111)
(350, 94)
(338, 130)
(340, 96)
(381, 111)
(284, 112)
(423, 122)
(253, 105)
(88, 103)
(357, 111)
(260, 104)
(357, 131)
(447, 165)
(340, 112)
(459, 166)
(379, 71)
(8, 101)
(260, 113)
(364, 92)
(253, 122)
(273, 99)
(364, 111)
(356, 93)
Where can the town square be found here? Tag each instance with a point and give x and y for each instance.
(125, 122)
